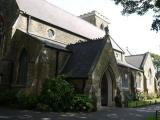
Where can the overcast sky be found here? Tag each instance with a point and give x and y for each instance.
(128, 31)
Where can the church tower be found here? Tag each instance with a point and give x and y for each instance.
(96, 19)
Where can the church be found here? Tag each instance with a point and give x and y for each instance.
(36, 44)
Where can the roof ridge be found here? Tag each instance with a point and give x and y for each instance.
(117, 44)
(85, 42)
(135, 55)
(144, 59)
(91, 33)
(71, 14)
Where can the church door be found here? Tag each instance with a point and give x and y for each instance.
(106, 90)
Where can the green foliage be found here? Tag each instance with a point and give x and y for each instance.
(141, 96)
(43, 107)
(156, 61)
(82, 103)
(146, 102)
(118, 101)
(151, 118)
(7, 97)
(152, 96)
(26, 101)
(141, 7)
(57, 93)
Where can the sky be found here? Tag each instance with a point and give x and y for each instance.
(132, 32)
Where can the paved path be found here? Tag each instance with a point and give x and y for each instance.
(103, 114)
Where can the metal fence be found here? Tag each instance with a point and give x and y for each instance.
(157, 115)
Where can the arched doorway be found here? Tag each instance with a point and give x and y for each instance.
(23, 67)
(107, 89)
(1, 35)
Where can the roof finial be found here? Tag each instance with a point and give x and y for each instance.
(107, 34)
(106, 31)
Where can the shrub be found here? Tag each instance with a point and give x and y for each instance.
(26, 101)
(7, 97)
(141, 96)
(118, 101)
(43, 107)
(152, 95)
(57, 93)
(82, 103)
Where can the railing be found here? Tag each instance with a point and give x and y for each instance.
(157, 115)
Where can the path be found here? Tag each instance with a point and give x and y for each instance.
(103, 114)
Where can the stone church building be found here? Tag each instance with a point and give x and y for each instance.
(137, 72)
(36, 44)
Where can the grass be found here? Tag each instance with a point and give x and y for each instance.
(132, 104)
(151, 118)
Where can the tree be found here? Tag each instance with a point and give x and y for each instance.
(156, 61)
(141, 7)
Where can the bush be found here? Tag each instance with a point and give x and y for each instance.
(118, 101)
(57, 93)
(26, 101)
(141, 96)
(82, 103)
(43, 107)
(7, 97)
(152, 95)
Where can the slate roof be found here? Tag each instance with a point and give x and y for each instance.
(116, 46)
(50, 43)
(49, 13)
(136, 60)
(125, 64)
(82, 59)
(46, 42)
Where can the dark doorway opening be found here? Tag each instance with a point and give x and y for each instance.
(104, 91)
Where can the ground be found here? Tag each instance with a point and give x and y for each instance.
(103, 114)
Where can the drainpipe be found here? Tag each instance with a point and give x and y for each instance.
(57, 63)
(28, 23)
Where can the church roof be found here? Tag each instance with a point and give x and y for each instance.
(116, 46)
(49, 13)
(50, 43)
(136, 60)
(125, 64)
(45, 42)
(82, 58)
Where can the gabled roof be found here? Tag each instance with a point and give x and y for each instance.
(136, 60)
(49, 13)
(82, 58)
(116, 46)
(125, 64)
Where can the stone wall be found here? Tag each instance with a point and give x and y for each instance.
(105, 62)
(40, 28)
(149, 73)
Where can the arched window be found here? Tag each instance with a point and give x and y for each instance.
(150, 76)
(23, 68)
(102, 26)
(139, 80)
(1, 31)
(125, 81)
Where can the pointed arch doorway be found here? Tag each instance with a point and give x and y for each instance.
(107, 89)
